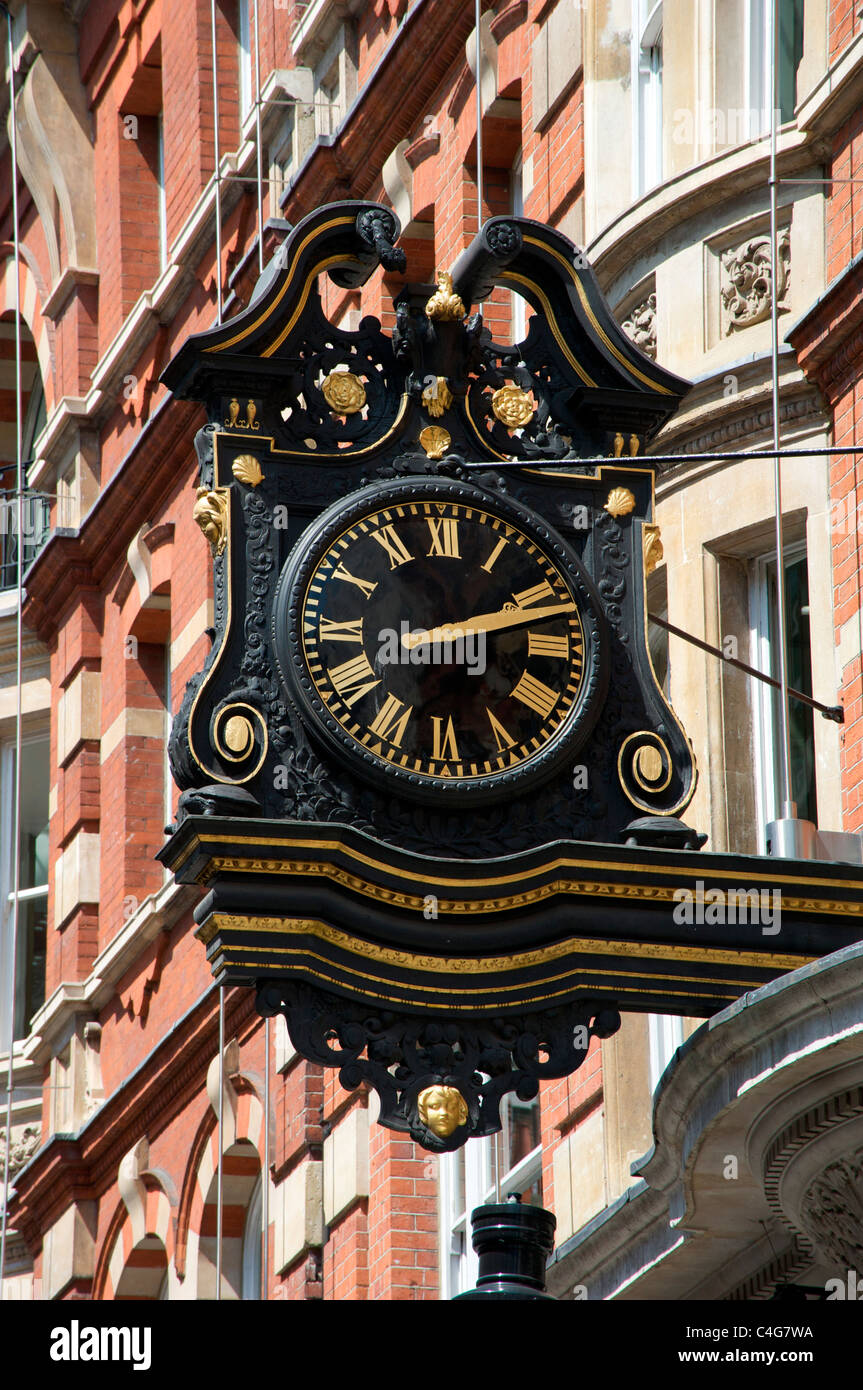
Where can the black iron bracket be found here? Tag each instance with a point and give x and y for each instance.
(442, 1080)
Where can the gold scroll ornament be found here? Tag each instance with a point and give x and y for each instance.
(445, 305)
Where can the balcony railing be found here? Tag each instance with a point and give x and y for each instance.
(35, 527)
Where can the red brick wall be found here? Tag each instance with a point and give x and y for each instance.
(384, 1246)
(843, 25)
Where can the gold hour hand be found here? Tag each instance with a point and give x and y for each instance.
(508, 617)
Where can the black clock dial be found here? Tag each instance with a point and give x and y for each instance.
(441, 641)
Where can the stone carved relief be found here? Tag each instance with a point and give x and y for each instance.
(640, 325)
(746, 281)
(834, 1211)
(25, 1142)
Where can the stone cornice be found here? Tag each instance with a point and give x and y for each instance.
(715, 183)
(82, 559)
(159, 912)
(783, 1049)
(838, 95)
(828, 339)
(71, 1168)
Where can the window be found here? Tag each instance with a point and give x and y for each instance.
(35, 519)
(647, 89)
(281, 163)
(758, 42)
(244, 57)
(168, 812)
(29, 965)
(163, 205)
(765, 656)
(467, 1180)
(516, 203)
(665, 1035)
(328, 102)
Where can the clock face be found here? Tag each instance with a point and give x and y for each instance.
(441, 642)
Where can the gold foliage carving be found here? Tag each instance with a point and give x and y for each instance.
(445, 305)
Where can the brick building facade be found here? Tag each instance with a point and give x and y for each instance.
(115, 1193)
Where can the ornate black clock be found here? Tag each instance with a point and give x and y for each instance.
(446, 643)
(429, 779)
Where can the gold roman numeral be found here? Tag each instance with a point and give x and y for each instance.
(444, 537)
(445, 745)
(390, 723)
(364, 585)
(501, 737)
(538, 645)
(489, 564)
(351, 631)
(351, 678)
(393, 544)
(535, 695)
(534, 595)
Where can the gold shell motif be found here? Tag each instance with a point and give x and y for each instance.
(435, 440)
(247, 470)
(437, 397)
(512, 406)
(620, 501)
(344, 393)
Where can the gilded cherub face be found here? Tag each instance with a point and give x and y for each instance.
(442, 1109)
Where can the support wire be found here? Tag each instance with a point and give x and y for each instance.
(258, 142)
(479, 188)
(217, 160)
(265, 1169)
(19, 673)
(789, 808)
(221, 1142)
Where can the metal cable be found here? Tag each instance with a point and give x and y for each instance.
(221, 1141)
(606, 461)
(19, 661)
(789, 809)
(258, 141)
(478, 84)
(265, 1169)
(217, 159)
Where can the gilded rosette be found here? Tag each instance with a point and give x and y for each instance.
(513, 407)
(344, 393)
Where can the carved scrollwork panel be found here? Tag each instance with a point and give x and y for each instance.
(443, 1080)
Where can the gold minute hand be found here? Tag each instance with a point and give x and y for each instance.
(511, 616)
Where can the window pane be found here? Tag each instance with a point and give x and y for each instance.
(29, 994)
(34, 813)
(790, 53)
(532, 1196)
(30, 972)
(522, 1131)
(458, 1188)
(800, 716)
